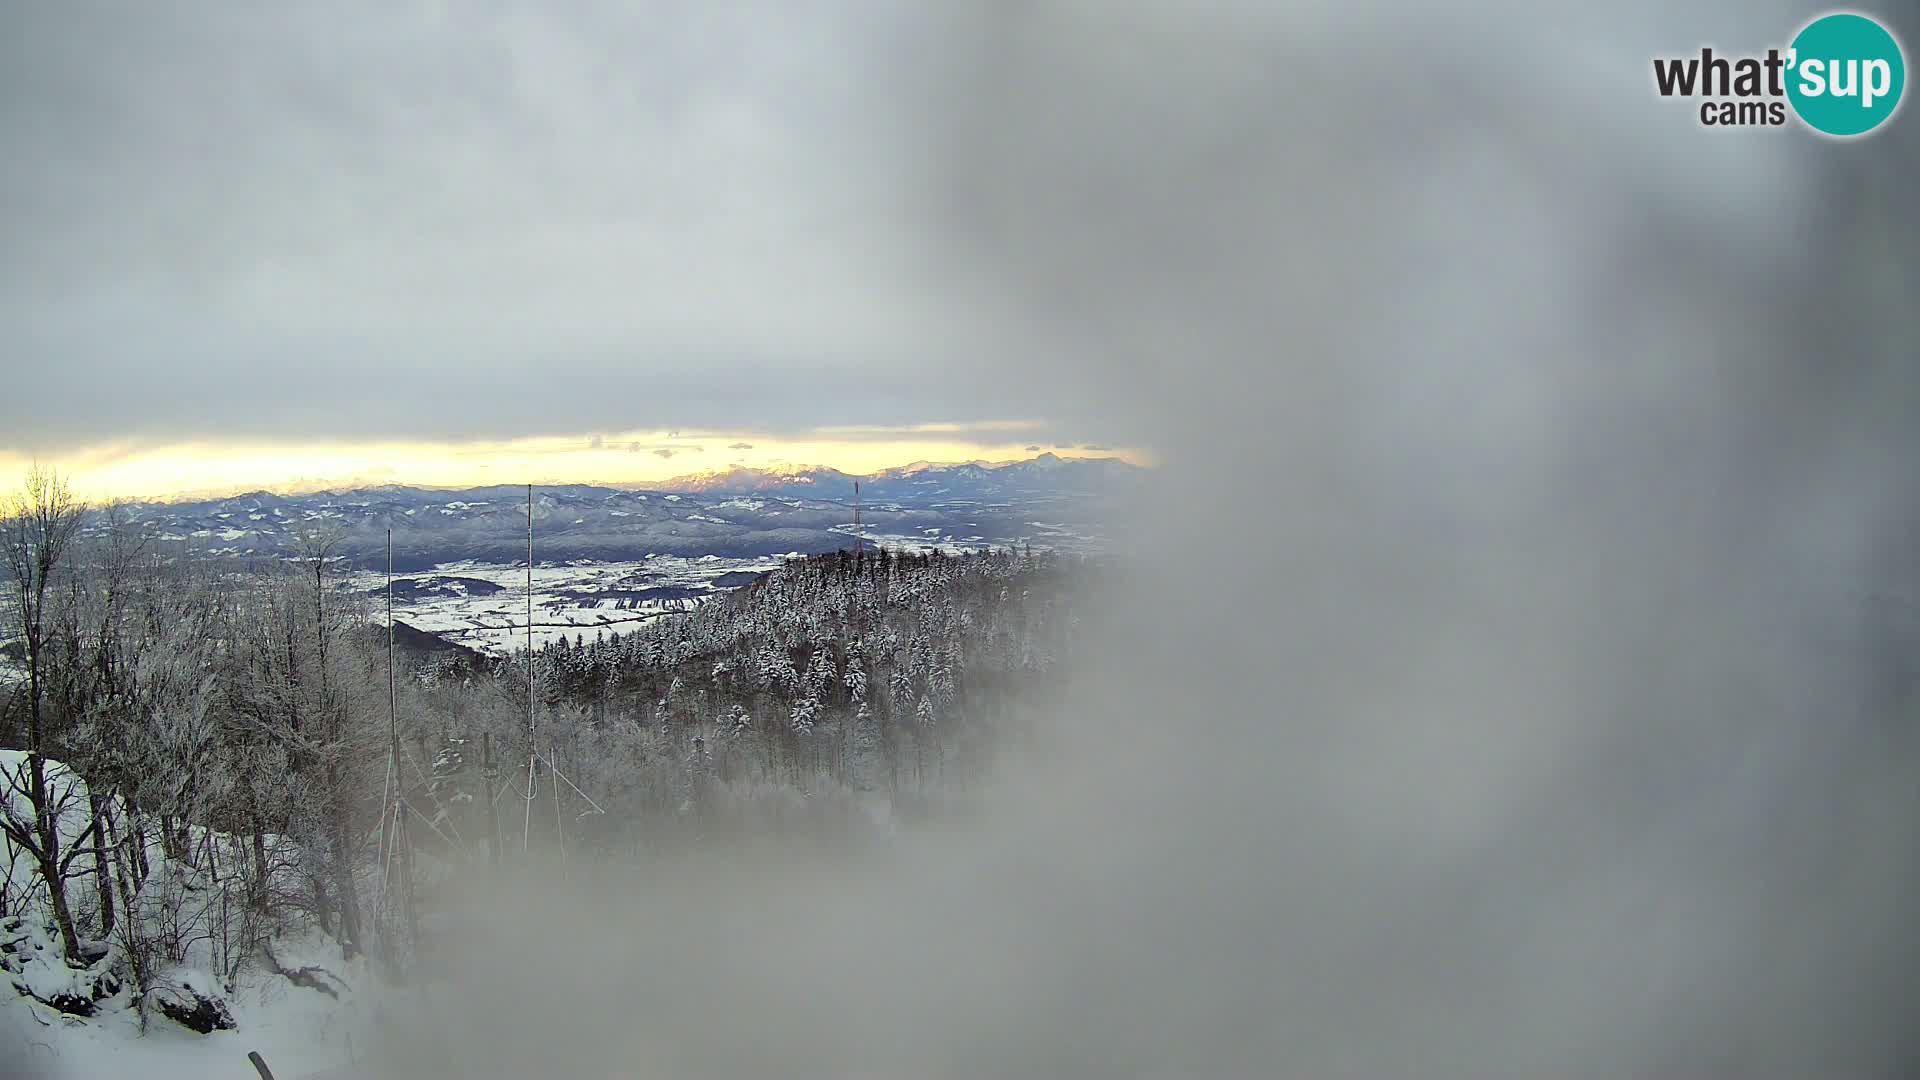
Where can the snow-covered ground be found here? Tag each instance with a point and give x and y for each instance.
(302, 1032)
(484, 605)
(342, 1020)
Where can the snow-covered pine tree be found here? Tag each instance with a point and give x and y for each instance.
(804, 713)
(856, 677)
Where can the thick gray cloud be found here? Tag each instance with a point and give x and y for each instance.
(1563, 721)
(1551, 710)
(447, 220)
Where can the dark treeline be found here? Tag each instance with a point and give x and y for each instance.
(206, 748)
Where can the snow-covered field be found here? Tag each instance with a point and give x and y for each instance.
(484, 605)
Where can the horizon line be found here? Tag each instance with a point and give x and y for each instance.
(663, 485)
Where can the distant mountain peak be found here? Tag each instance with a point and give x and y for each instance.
(959, 478)
(744, 478)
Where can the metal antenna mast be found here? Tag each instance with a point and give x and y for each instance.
(533, 756)
(401, 845)
(534, 759)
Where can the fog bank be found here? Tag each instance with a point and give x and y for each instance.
(1515, 674)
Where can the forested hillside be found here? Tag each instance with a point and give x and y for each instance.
(834, 678)
(208, 760)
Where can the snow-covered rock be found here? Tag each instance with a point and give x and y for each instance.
(193, 999)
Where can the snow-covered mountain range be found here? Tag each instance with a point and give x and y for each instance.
(738, 513)
(923, 481)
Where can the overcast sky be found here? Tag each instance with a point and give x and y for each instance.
(1523, 689)
(234, 226)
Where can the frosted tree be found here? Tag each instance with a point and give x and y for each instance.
(856, 677)
(36, 529)
(304, 678)
(801, 719)
(941, 678)
(662, 720)
(866, 747)
(696, 771)
(437, 668)
(88, 651)
(900, 685)
(820, 675)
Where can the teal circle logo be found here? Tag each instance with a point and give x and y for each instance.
(1846, 73)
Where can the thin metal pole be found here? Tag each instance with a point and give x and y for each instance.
(533, 752)
(392, 723)
(393, 712)
(392, 839)
(487, 777)
(559, 826)
(529, 612)
(526, 825)
(402, 837)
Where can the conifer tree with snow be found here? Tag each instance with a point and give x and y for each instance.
(801, 719)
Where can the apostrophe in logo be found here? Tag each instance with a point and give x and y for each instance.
(1847, 74)
(1842, 75)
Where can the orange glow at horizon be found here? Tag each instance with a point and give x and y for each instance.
(215, 468)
